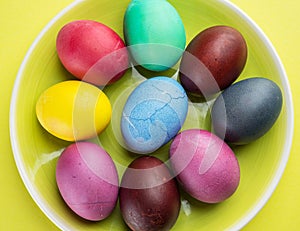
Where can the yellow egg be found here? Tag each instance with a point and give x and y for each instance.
(73, 110)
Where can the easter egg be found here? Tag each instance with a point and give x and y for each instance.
(92, 52)
(73, 110)
(204, 165)
(213, 60)
(87, 180)
(153, 114)
(149, 196)
(246, 110)
(154, 34)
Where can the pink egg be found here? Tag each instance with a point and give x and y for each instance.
(92, 52)
(204, 165)
(87, 180)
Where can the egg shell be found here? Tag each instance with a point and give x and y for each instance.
(87, 180)
(204, 165)
(153, 114)
(213, 60)
(149, 196)
(246, 110)
(92, 52)
(154, 33)
(73, 110)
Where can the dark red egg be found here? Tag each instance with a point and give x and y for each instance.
(213, 60)
(149, 197)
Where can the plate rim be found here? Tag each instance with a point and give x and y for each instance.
(256, 208)
(12, 118)
(252, 211)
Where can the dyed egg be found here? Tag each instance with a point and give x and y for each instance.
(92, 52)
(87, 180)
(154, 33)
(204, 165)
(73, 110)
(153, 114)
(149, 197)
(213, 60)
(246, 110)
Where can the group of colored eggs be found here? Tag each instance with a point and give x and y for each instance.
(153, 115)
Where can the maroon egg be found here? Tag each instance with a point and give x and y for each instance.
(149, 197)
(213, 60)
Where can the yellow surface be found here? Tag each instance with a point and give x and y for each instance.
(21, 22)
(57, 105)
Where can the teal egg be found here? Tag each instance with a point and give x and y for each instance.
(154, 34)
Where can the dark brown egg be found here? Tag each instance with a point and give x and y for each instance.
(149, 197)
(213, 60)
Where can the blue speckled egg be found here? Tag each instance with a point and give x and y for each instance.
(153, 114)
(154, 33)
(246, 110)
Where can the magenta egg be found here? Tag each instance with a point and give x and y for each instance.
(87, 180)
(205, 165)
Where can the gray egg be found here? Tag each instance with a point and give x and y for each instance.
(246, 110)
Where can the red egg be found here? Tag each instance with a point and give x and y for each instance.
(213, 60)
(92, 52)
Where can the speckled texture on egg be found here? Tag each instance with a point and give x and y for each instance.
(213, 60)
(149, 196)
(153, 114)
(205, 165)
(88, 180)
(246, 110)
(92, 51)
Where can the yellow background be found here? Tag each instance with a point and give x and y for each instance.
(20, 23)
